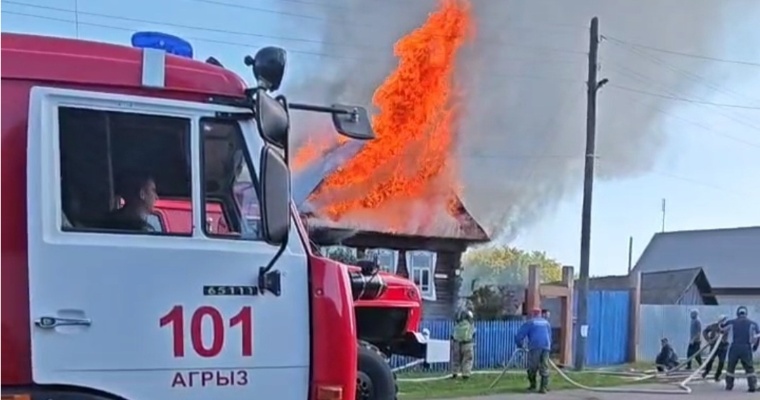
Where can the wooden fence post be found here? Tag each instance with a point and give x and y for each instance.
(533, 293)
(566, 349)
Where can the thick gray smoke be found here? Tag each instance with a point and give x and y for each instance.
(523, 131)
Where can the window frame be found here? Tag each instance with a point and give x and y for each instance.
(108, 107)
(428, 293)
(43, 181)
(377, 253)
(229, 205)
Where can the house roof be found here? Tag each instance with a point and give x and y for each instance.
(465, 229)
(662, 287)
(728, 257)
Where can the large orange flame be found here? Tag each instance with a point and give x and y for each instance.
(416, 124)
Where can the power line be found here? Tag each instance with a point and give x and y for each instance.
(678, 53)
(303, 52)
(694, 78)
(387, 47)
(643, 78)
(688, 100)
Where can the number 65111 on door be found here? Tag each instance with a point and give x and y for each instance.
(175, 318)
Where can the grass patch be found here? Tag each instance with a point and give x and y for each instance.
(478, 384)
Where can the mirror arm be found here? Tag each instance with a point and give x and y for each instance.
(321, 109)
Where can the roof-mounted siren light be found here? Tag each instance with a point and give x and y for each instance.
(155, 46)
(162, 41)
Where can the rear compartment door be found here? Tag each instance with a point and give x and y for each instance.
(150, 315)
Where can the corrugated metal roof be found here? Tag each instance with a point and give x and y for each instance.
(730, 258)
(662, 287)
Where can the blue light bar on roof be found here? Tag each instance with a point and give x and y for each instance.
(163, 41)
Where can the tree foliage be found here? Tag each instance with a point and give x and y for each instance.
(341, 254)
(496, 276)
(505, 265)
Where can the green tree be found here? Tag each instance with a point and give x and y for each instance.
(495, 276)
(502, 265)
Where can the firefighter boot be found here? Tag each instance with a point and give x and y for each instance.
(752, 383)
(729, 382)
(532, 381)
(544, 385)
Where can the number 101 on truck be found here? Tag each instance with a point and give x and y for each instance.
(99, 304)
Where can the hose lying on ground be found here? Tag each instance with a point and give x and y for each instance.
(682, 385)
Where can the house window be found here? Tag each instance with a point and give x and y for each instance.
(387, 259)
(421, 266)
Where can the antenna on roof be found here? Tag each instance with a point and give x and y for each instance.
(76, 18)
(663, 215)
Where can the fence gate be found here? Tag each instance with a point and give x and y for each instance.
(608, 321)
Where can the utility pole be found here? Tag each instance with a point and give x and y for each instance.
(581, 326)
(630, 254)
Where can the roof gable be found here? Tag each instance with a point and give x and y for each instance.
(729, 257)
(665, 287)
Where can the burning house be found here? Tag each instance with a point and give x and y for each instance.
(398, 197)
(428, 252)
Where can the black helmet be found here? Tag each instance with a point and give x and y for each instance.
(741, 311)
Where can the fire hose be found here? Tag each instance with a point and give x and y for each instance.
(681, 386)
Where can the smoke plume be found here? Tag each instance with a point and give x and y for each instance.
(522, 133)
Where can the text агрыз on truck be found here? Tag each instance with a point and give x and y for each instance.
(94, 309)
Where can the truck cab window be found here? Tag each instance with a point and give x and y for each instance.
(117, 168)
(230, 194)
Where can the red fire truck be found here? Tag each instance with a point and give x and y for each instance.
(89, 312)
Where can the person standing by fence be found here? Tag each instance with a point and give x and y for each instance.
(462, 345)
(539, 333)
(711, 334)
(695, 341)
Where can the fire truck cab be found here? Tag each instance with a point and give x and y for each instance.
(91, 310)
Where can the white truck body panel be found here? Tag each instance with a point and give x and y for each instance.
(123, 284)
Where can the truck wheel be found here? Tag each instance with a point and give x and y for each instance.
(374, 380)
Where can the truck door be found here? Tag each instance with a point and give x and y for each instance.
(131, 311)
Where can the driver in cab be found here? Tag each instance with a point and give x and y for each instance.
(140, 196)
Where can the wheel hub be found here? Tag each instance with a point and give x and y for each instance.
(363, 386)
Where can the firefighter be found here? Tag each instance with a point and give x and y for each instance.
(745, 334)
(539, 334)
(711, 334)
(462, 344)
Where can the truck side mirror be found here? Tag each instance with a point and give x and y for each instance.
(274, 189)
(353, 122)
(272, 119)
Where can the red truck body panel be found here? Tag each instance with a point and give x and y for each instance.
(30, 61)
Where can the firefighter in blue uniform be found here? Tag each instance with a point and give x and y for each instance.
(538, 331)
(745, 335)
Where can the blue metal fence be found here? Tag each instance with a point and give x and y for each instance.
(494, 342)
(607, 342)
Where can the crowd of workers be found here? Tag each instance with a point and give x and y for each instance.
(736, 340)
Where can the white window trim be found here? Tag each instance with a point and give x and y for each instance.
(429, 294)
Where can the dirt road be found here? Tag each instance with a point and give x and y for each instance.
(701, 391)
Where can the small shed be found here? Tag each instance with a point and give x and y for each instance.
(680, 287)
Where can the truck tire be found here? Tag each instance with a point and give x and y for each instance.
(374, 380)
